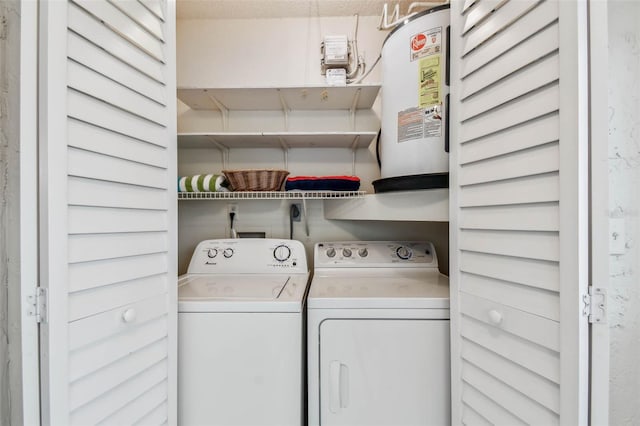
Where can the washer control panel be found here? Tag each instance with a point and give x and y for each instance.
(375, 254)
(248, 255)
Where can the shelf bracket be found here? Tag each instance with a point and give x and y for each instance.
(354, 148)
(285, 151)
(223, 109)
(354, 107)
(224, 152)
(285, 109)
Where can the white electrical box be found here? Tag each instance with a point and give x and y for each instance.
(335, 51)
(336, 77)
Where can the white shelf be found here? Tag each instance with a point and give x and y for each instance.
(431, 205)
(284, 140)
(351, 97)
(270, 195)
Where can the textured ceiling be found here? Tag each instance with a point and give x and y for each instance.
(248, 9)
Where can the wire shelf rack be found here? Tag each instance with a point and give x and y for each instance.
(270, 195)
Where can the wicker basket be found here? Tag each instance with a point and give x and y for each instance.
(256, 179)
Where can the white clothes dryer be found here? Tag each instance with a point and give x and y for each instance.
(378, 336)
(241, 334)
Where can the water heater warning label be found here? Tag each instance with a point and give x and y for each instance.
(429, 82)
(419, 123)
(410, 124)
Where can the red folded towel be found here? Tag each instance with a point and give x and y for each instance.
(322, 183)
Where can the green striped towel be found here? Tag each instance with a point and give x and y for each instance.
(202, 183)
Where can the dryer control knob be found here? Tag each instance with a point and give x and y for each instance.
(211, 253)
(228, 252)
(282, 253)
(346, 252)
(363, 252)
(331, 252)
(404, 252)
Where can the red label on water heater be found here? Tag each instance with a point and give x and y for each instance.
(418, 41)
(425, 43)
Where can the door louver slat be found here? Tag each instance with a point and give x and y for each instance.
(84, 304)
(122, 25)
(528, 411)
(543, 391)
(537, 359)
(542, 188)
(99, 140)
(138, 13)
(117, 398)
(536, 132)
(524, 298)
(154, 400)
(531, 23)
(89, 389)
(472, 418)
(100, 193)
(534, 273)
(100, 354)
(492, 411)
(91, 83)
(87, 26)
(82, 276)
(84, 52)
(499, 21)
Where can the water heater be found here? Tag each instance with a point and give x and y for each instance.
(414, 140)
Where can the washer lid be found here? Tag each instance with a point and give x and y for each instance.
(241, 293)
(401, 289)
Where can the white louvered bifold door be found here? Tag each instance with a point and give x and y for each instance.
(108, 211)
(519, 212)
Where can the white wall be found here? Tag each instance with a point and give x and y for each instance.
(265, 52)
(624, 175)
(276, 52)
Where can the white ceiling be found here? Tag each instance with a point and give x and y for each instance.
(249, 9)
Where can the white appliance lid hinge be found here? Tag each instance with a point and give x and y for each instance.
(38, 304)
(595, 305)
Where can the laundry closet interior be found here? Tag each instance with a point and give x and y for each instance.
(491, 265)
(252, 60)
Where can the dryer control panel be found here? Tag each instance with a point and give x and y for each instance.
(247, 256)
(372, 254)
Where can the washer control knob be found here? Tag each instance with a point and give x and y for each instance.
(228, 252)
(346, 252)
(211, 253)
(404, 253)
(281, 253)
(363, 252)
(331, 252)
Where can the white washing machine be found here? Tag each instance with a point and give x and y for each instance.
(378, 336)
(241, 334)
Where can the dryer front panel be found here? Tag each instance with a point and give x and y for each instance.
(384, 372)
